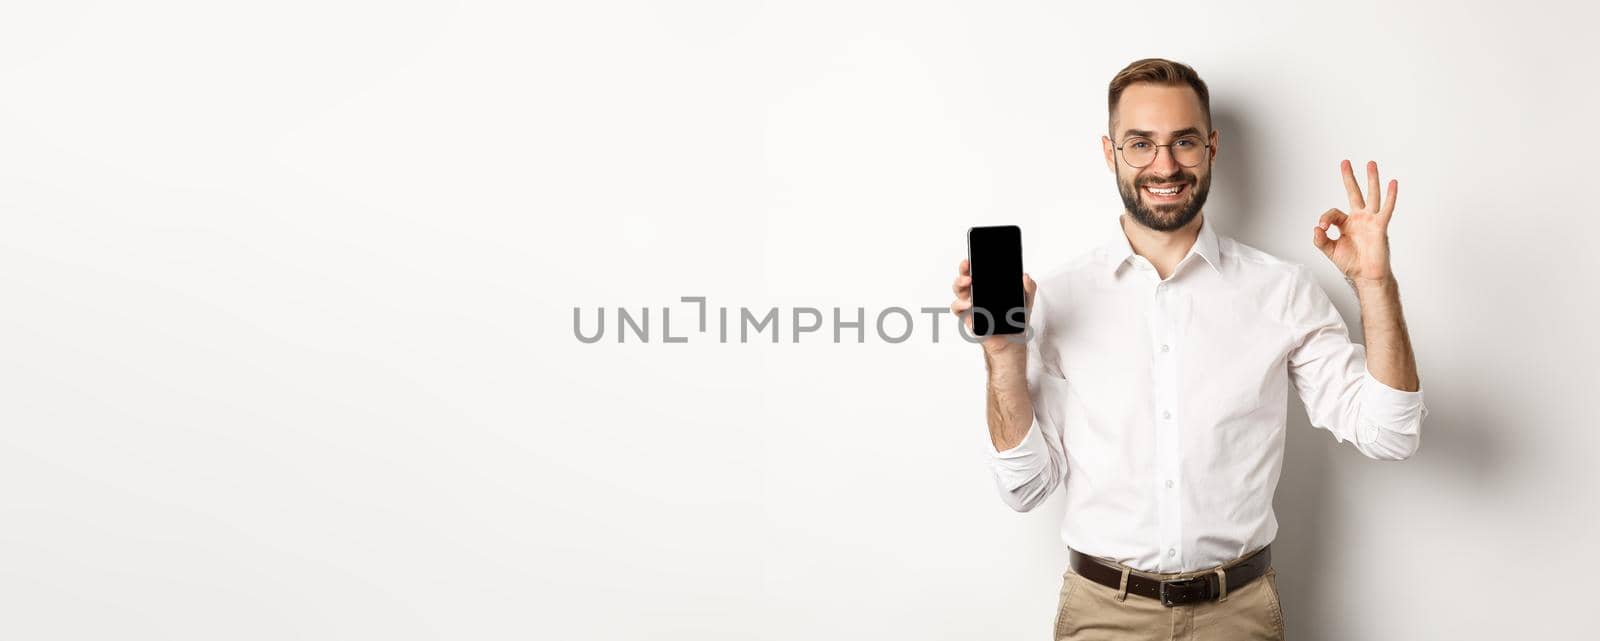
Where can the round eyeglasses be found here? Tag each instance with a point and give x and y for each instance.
(1139, 151)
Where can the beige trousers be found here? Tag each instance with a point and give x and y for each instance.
(1088, 611)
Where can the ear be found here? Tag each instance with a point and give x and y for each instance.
(1213, 149)
(1110, 153)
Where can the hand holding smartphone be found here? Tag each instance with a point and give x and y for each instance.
(998, 297)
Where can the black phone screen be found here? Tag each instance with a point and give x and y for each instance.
(996, 266)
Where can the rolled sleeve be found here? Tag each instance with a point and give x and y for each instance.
(1015, 467)
(1391, 420)
(1330, 373)
(1029, 472)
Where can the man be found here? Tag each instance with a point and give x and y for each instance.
(1153, 387)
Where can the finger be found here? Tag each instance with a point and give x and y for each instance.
(966, 267)
(961, 310)
(1388, 200)
(962, 284)
(1372, 185)
(1028, 288)
(1350, 188)
(1319, 237)
(1331, 217)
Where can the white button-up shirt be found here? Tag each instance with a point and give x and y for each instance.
(1160, 405)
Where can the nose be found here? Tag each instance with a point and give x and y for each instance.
(1164, 164)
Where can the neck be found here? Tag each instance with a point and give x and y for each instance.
(1164, 249)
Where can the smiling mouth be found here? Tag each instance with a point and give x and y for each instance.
(1165, 193)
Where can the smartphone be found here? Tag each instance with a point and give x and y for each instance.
(995, 259)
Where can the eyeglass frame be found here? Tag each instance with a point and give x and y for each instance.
(1203, 145)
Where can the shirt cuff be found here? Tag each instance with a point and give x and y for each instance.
(1020, 465)
(1032, 443)
(1389, 408)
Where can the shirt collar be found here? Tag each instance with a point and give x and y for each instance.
(1205, 244)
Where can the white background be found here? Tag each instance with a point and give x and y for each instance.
(287, 348)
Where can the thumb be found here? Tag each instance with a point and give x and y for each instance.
(1028, 288)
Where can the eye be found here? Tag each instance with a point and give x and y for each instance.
(1140, 144)
(1187, 143)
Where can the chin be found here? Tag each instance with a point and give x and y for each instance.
(1168, 211)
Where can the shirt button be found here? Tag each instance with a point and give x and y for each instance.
(1172, 552)
(1166, 414)
(1169, 482)
(1164, 347)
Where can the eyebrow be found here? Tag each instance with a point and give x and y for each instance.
(1151, 134)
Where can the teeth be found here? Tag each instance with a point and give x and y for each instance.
(1164, 192)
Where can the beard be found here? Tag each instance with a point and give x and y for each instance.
(1165, 216)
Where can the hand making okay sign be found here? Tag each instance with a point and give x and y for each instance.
(1362, 250)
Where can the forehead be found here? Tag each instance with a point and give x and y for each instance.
(1159, 108)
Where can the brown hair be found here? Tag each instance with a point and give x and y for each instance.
(1157, 71)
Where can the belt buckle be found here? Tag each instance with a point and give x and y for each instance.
(1172, 588)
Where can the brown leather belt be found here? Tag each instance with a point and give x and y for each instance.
(1205, 587)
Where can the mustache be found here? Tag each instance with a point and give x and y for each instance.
(1184, 178)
